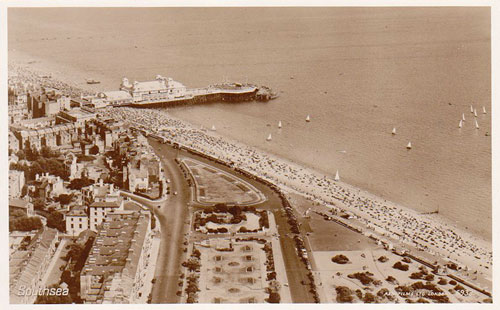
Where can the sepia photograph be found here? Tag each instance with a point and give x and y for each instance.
(248, 154)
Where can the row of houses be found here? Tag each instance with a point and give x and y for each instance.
(116, 267)
(28, 267)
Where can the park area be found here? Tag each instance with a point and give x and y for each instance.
(232, 276)
(214, 186)
(380, 276)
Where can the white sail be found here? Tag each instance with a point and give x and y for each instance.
(279, 124)
(308, 118)
(484, 110)
(269, 138)
(460, 124)
(213, 127)
(475, 113)
(471, 109)
(409, 145)
(337, 177)
(463, 116)
(394, 130)
(477, 125)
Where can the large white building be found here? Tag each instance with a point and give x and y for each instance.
(161, 88)
(77, 221)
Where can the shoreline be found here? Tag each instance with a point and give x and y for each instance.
(373, 211)
(426, 223)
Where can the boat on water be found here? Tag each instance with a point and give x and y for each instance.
(484, 110)
(269, 138)
(408, 146)
(471, 109)
(463, 116)
(308, 118)
(93, 81)
(460, 124)
(475, 113)
(477, 125)
(394, 130)
(337, 177)
(279, 124)
(213, 127)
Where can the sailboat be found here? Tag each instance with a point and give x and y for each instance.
(213, 127)
(279, 124)
(337, 177)
(269, 138)
(471, 109)
(477, 125)
(460, 124)
(463, 116)
(308, 118)
(475, 113)
(394, 130)
(408, 146)
(484, 110)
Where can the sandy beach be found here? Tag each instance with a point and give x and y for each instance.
(428, 233)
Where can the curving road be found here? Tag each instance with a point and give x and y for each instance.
(172, 215)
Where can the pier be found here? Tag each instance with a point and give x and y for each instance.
(218, 93)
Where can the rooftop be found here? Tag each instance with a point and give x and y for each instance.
(117, 95)
(105, 204)
(18, 203)
(117, 248)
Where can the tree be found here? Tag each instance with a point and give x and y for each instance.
(274, 298)
(21, 155)
(39, 204)
(74, 252)
(94, 150)
(340, 259)
(401, 266)
(369, 298)
(31, 154)
(56, 220)
(343, 294)
(192, 264)
(47, 152)
(25, 223)
(221, 208)
(79, 183)
(64, 199)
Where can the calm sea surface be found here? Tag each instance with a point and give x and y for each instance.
(357, 72)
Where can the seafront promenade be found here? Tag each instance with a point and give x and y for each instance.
(385, 218)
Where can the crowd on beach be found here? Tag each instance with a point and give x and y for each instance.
(419, 230)
(25, 79)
